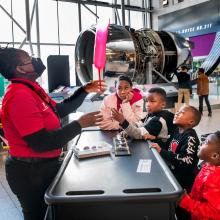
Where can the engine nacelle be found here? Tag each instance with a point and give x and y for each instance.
(130, 51)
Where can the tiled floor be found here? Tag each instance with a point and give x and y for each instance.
(9, 206)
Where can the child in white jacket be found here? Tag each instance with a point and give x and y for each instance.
(126, 100)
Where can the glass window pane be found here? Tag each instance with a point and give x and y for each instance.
(48, 21)
(88, 19)
(19, 16)
(69, 25)
(136, 20)
(5, 22)
(105, 12)
(26, 47)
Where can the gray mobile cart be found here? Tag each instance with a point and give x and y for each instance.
(135, 187)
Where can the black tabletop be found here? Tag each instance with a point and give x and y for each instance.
(142, 175)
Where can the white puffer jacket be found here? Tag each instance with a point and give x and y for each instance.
(132, 113)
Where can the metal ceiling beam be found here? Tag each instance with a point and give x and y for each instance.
(22, 29)
(79, 15)
(129, 15)
(110, 5)
(38, 30)
(28, 24)
(123, 12)
(117, 16)
(148, 5)
(95, 14)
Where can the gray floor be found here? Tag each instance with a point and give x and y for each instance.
(9, 206)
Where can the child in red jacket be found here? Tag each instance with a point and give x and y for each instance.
(204, 200)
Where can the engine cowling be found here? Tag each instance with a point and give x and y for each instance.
(129, 51)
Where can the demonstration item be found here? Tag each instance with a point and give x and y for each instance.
(121, 145)
(97, 149)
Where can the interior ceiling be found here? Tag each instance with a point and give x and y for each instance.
(130, 4)
(137, 3)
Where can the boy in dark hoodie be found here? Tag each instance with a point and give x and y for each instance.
(158, 124)
(181, 155)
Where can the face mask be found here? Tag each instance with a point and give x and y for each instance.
(38, 66)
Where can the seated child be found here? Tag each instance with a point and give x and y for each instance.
(181, 155)
(127, 101)
(203, 202)
(157, 125)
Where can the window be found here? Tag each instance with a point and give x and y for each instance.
(88, 19)
(48, 21)
(165, 2)
(69, 25)
(136, 20)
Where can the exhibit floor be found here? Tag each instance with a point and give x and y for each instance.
(9, 206)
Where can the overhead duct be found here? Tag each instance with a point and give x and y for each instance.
(213, 59)
(130, 51)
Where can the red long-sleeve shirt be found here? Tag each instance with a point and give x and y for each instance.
(204, 200)
(23, 113)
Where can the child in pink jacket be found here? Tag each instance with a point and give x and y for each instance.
(204, 200)
(126, 100)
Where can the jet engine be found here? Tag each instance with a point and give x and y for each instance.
(138, 53)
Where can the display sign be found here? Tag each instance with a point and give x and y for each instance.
(200, 19)
(201, 28)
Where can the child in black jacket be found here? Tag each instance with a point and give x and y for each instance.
(158, 124)
(183, 146)
(181, 156)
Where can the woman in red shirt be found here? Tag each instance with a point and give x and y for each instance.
(31, 124)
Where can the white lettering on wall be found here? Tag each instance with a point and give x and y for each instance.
(195, 28)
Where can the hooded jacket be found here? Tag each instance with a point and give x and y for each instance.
(204, 200)
(182, 157)
(132, 111)
(183, 80)
(159, 124)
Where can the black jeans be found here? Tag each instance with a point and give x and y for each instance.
(29, 182)
(201, 97)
